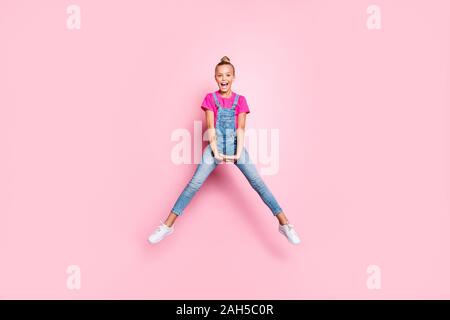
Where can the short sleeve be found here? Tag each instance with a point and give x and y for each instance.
(207, 103)
(242, 105)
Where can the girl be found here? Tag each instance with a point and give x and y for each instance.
(225, 118)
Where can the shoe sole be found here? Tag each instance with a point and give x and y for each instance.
(151, 242)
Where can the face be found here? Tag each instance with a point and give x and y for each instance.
(224, 78)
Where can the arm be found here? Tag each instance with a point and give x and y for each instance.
(240, 131)
(211, 131)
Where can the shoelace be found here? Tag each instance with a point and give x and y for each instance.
(161, 226)
(291, 228)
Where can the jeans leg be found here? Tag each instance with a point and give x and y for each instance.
(205, 167)
(250, 171)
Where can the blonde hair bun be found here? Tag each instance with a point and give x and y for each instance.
(225, 61)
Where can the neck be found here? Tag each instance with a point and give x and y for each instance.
(226, 94)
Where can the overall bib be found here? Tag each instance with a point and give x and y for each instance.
(226, 127)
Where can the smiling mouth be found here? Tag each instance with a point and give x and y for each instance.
(223, 84)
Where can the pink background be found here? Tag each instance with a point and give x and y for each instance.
(85, 123)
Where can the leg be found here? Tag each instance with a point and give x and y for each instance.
(282, 219)
(206, 166)
(171, 219)
(245, 164)
(250, 171)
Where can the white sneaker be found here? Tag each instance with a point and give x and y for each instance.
(160, 233)
(289, 232)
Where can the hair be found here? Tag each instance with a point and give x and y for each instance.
(223, 61)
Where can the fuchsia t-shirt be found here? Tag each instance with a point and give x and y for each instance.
(209, 104)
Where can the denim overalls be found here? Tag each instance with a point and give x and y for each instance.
(226, 144)
(226, 127)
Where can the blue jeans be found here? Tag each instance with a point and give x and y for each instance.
(208, 164)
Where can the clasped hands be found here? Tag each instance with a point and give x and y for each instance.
(220, 156)
(224, 157)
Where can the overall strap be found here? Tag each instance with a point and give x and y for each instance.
(235, 100)
(216, 100)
